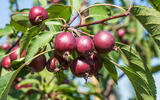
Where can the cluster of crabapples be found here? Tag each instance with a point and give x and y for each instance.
(88, 61)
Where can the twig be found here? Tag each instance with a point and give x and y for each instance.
(85, 33)
(79, 14)
(110, 18)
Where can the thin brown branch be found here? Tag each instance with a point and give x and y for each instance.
(85, 33)
(102, 21)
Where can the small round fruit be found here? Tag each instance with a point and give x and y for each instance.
(23, 53)
(80, 66)
(65, 41)
(37, 15)
(54, 1)
(17, 87)
(26, 86)
(52, 64)
(104, 42)
(38, 63)
(84, 45)
(6, 62)
(121, 32)
(5, 46)
(96, 63)
(15, 51)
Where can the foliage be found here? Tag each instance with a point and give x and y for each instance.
(135, 48)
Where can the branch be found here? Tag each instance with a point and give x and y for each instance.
(102, 21)
(110, 18)
(85, 33)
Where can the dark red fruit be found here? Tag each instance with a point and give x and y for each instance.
(65, 41)
(54, 1)
(52, 64)
(23, 53)
(37, 15)
(38, 63)
(104, 42)
(80, 66)
(17, 87)
(96, 63)
(6, 62)
(121, 32)
(26, 86)
(64, 63)
(84, 45)
(5, 46)
(15, 51)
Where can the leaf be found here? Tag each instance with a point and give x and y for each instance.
(149, 18)
(53, 26)
(99, 12)
(27, 37)
(20, 22)
(111, 68)
(138, 73)
(29, 81)
(76, 4)
(38, 41)
(6, 82)
(6, 31)
(43, 2)
(59, 11)
(155, 4)
(66, 88)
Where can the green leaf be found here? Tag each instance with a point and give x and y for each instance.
(99, 12)
(43, 2)
(37, 42)
(27, 37)
(155, 4)
(149, 18)
(111, 68)
(6, 31)
(76, 4)
(142, 90)
(6, 81)
(59, 11)
(53, 26)
(66, 88)
(29, 81)
(20, 22)
(138, 73)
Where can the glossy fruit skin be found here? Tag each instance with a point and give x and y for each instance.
(96, 63)
(5, 46)
(80, 66)
(38, 64)
(26, 86)
(14, 55)
(23, 53)
(65, 41)
(6, 62)
(17, 87)
(84, 45)
(104, 42)
(37, 15)
(54, 1)
(121, 32)
(64, 63)
(52, 64)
